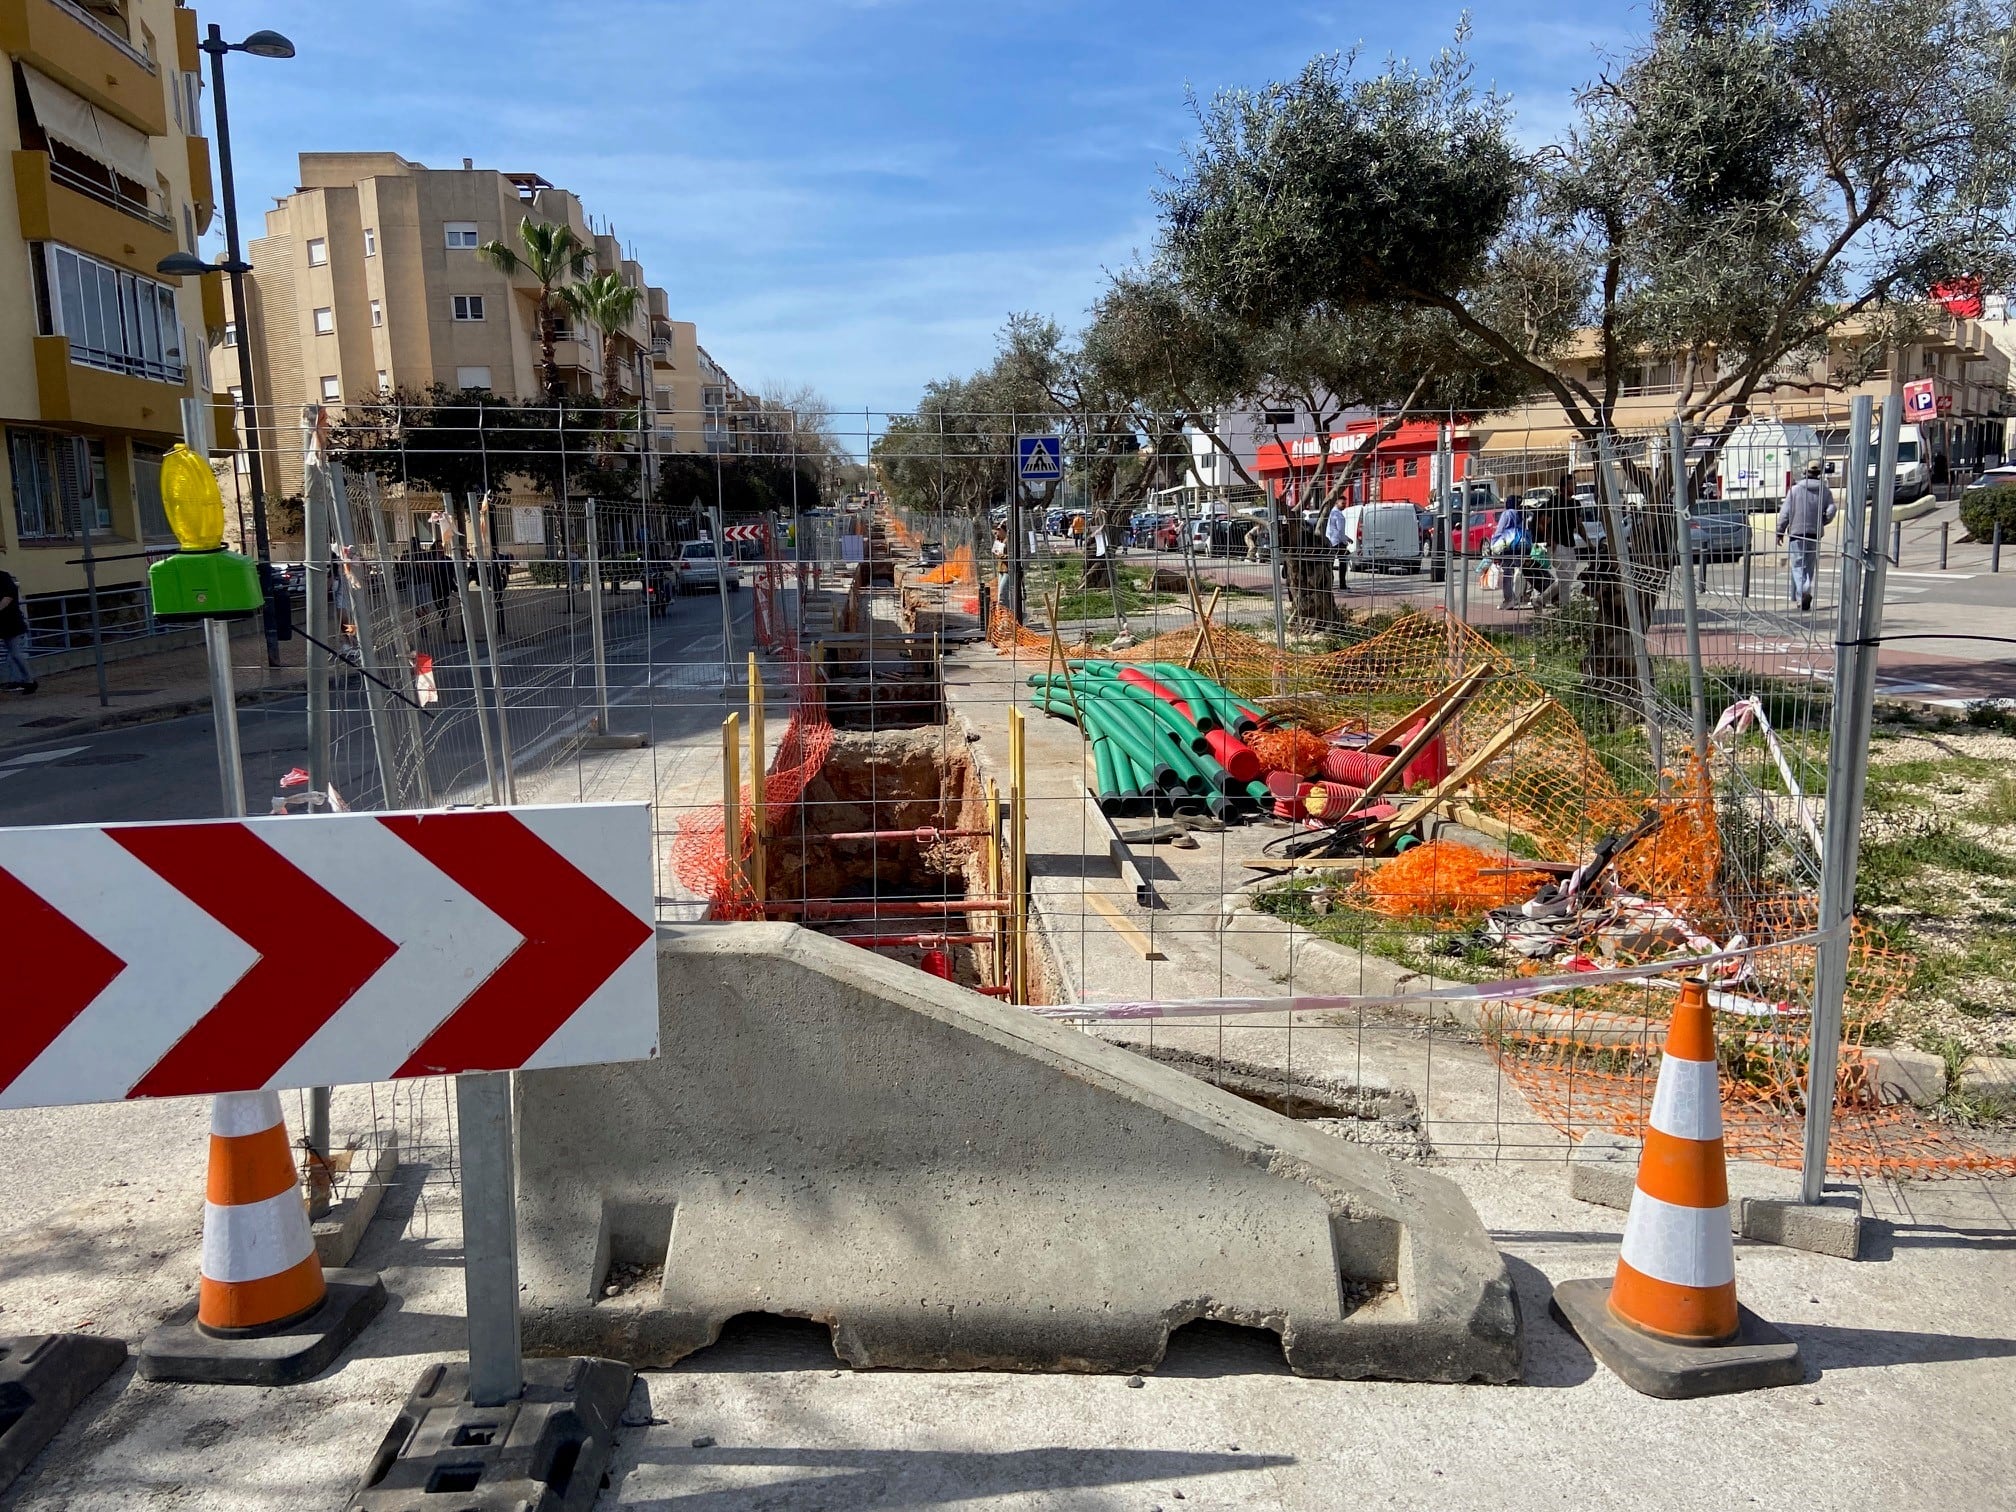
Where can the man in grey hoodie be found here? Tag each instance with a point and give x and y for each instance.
(1807, 511)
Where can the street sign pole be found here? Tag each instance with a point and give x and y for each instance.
(721, 592)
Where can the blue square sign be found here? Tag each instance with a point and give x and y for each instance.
(1038, 459)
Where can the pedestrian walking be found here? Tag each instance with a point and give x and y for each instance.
(1557, 531)
(1510, 542)
(14, 636)
(1333, 536)
(1807, 511)
(500, 576)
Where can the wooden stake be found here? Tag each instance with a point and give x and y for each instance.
(1449, 786)
(1056, 649)
(758, 799)
(731, 800)
(1203, 615)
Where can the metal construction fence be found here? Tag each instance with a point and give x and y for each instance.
(862, 706)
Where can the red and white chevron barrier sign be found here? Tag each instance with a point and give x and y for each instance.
(230, 955)
(744, 533)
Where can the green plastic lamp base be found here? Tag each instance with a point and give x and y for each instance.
(193, 585)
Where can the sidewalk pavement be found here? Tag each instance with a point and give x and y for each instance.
(163, 685)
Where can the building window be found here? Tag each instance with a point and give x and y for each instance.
(237, 397)
(115, 320)
(230, 333)
(468, 306)
(377, 312)
(472, 377)
(461, 235)
(662, 398)
(48, 492)
(370, 241)
(325, 322)
(318, 251)
(147, 492)
(1412, 469)
(332, 389)
(1386, 469)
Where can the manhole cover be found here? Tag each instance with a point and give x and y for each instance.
(103, 758)
(49, 721)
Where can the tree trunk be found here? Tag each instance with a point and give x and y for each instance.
(1609, 662)
(1112, 525)
(549, 363)
(1306, 575)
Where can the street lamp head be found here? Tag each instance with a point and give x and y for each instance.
(188, 264)
(267, 44)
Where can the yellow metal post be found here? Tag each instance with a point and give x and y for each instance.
(731, 799)
(758, 764)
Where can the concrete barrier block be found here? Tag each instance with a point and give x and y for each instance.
(1764, 1200)
(1913, 1076)
(1990, 1078)
(948, 1182)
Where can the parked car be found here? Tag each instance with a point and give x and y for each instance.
(1718, 535)
(1994, 477)
(695, 568)
(930, 554)
(1379, 536)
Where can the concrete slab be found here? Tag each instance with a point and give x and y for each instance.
(1764, 1200)
(1903, 1075)
(946, 1182)
(339, 1231)
(1990, 1079)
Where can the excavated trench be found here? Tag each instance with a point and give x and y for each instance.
(888, 845)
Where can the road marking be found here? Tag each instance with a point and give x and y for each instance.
(1943, 577)
(1888, 590)
(34, 757)
(1124, 926)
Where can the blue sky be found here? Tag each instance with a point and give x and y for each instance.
(851, 193)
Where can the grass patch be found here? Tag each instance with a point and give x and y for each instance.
(1447, 951)
(1890, 869)
(1997, 805)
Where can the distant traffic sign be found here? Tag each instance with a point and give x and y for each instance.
(240, 955)
(1039, 459)
(1921, 399)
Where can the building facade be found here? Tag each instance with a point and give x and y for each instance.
(103, 360)
(369, 279)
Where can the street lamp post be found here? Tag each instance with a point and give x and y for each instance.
(261, 44)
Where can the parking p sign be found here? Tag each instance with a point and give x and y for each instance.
(1038, 459)
(1921, 400)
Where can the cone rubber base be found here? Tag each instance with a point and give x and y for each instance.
(1760, 1355)
(43, 1379)
(180, 1351)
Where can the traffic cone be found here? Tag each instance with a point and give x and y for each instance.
(1668, 1323)
(267, 1312)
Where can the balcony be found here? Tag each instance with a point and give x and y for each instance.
(72, 46)
(121, 394)
(202, 188)
(60, 205)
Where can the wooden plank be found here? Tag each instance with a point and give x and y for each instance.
(1123, 926)
(1448, 787)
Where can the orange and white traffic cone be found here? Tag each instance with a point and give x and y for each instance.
(267, 1313)
(1669, 1323)
(260, 1271)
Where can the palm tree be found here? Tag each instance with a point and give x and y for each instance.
(551, 254)
(608, 304)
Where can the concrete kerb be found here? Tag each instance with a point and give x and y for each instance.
(947, 1182)
(114, 719)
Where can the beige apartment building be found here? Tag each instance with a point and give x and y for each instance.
(103, 361)
(368, 279)
(1968, 362)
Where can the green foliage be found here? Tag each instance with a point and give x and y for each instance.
(1983, 509)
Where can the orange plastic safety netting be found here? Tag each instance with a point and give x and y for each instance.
(1589, 1059)
(700, 859)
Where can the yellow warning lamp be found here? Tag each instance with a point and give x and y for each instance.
(202, 580)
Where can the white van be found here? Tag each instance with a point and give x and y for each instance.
(1764, 458)
(1379, 536)
(1914, 466)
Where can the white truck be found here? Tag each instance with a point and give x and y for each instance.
(1762, 459)
(1914, 465)
(1383, 535)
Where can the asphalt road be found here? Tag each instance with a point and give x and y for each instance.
(168, 770)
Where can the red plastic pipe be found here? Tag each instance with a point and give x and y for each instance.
(924, 834)
(1163, 691)
(1233, 754)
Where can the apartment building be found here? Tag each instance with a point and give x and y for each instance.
(368, 279)
(1967, 360)
(676, 381)
(103, 361)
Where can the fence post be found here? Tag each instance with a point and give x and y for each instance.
(1628, 574)
(315, 562)
(1995, 549)
(1896, 543)
(493, 631)
(357, 579)
(1945, 530)
(1858, 623)
(1697, 686)
(594, 543)
(1749, 547)
(460, 556)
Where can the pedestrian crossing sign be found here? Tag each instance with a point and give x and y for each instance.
(1038, 458)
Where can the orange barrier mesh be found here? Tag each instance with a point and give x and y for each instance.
(1296, 751)
(1589, 1059)
(1443, 877)
(958, 568)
